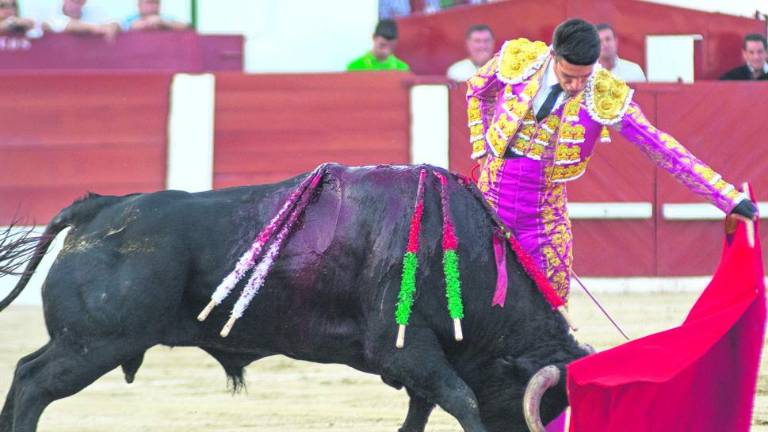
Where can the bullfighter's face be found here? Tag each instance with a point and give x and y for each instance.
(572, 77)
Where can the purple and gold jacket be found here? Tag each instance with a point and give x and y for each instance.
(500, 117)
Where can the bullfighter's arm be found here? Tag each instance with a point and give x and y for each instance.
(669, 154)
(482, 91)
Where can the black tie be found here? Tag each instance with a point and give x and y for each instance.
(549, 102)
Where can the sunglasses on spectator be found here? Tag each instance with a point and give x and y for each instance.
(8, 5)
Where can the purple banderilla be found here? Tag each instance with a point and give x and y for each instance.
(284, 220)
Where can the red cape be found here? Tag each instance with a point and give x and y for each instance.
(700, 376)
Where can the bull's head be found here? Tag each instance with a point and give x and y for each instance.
(545, 378)
(528, 388)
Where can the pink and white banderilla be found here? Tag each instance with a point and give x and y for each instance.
(284, 220)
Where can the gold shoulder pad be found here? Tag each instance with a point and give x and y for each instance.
(521, 58)
(607, 96)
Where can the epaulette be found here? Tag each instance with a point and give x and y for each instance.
(520, 59)
(607, 97)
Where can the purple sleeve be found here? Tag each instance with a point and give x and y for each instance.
(669, 154)
(482, 91)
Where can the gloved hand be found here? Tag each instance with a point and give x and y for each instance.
(745, 208)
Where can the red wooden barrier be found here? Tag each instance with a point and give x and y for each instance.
(271, 127)
(724, 124)
(63, 135)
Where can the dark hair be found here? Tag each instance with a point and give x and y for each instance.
(577, 42)
(478, 28)
(754, 37)
(386, 28)
(605, 26)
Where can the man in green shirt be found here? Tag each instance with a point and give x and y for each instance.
(381, 56)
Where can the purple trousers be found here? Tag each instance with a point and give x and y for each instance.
(534, 208)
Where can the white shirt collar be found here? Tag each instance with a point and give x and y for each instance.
(765, 67)
(550, 78)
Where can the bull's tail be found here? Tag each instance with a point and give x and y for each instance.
(16, 249)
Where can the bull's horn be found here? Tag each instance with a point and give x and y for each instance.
(545, 378)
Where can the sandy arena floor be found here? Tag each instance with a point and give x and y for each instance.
(185, 390)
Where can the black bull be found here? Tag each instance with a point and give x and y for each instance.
(135, 271)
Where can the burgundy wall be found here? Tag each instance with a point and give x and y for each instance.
(63, 135)
(430, 43)
(271, 127)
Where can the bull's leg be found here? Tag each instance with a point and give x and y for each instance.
(422, 367)
(6, 415)
(418, 413)
(59, 371)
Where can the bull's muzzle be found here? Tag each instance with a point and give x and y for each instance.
(545, 378)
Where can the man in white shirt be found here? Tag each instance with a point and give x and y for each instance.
(609, 58)
(480, 48)
(75, 17)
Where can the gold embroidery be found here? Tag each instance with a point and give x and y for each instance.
(477, 81)
(543, 135)
(521, 146)
(566, 153)
(519, 57)
(478, 146)
(489, 177)
(608, 97)
(556, 252)
(536, 151)
(671, 143)
(706, 172)
(528, 130)
(473, 110)
(509, 122)
(476, 129)
(552, 122)
(562, 173)
(497, 142)
(573, 107)
(571, 132)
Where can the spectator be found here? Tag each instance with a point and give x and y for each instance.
(381, 57)
(10, 21)
(149, 18)
(609, 56)
(480, 48)
(75, 17)
(754, 52)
